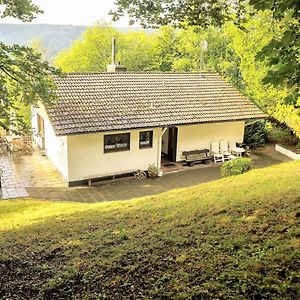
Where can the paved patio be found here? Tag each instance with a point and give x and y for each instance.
(34, 176)
(23, 171)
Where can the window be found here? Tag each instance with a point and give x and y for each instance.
(40, 126)
(146, 138)
(116, 142)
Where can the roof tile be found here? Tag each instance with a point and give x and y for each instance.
(96, 102)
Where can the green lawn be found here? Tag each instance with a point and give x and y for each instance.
(235, 238)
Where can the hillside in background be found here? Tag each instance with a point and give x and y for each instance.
(54, 38)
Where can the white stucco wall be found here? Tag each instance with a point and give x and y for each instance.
(56, 148)
(87, 158)
(200, 136)
(82, 156)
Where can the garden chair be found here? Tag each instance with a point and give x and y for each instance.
(238, 151)
(225, 150)
(216, 153)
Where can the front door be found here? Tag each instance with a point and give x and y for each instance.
(172, 143)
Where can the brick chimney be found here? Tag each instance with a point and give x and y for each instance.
(115, 66)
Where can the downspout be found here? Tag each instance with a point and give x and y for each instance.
(164, 129)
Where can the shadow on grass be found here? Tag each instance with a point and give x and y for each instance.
(233, 238)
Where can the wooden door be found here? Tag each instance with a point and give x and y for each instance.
(172, 143)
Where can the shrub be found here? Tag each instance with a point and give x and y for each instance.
(255, 134)
(236, 167)
(153, 171)
(279, 133)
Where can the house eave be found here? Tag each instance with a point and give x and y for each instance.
(160, 126)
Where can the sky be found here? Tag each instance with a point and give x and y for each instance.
(76, 12)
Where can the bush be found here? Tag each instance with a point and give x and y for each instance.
(153, 171)
(255, 134)
(279, 133)
(236, 167)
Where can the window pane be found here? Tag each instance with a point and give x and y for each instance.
(146, 138)
(116, 142)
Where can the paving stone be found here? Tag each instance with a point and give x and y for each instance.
(35, 176)
(20, 172)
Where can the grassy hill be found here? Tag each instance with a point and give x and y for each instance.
(235, 238)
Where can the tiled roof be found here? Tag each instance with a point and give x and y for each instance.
(95, 102)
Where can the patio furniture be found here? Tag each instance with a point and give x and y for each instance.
(196, 156)
(238, 151)
(14, 143)
(110, 177)
(216, 153)
(225, 150)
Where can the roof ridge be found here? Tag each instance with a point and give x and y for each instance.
(140, 72)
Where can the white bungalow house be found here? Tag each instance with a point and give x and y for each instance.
(117, 122)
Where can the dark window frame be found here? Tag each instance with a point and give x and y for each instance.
(113, 140)
(146, 146)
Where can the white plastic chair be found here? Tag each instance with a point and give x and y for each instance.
(225, 150)
(217, 154)
(238, 151)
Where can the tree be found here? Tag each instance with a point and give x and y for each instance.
(280, 56)
(164, 49)
(93, 51)
(24, 77)
(179, 13)
(23, 10)
(283, 50)
(136, 51)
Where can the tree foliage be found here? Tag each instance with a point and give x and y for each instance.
(280, 55)
(179, 13)
(24, 76)
(255, 134)
(231, 52)
(93, 51)
(283, 50)
(23, 10)
(165, 49)
(247, 45)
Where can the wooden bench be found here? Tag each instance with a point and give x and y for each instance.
(130, 174)
(196, 156)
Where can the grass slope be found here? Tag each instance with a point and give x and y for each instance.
(235, 238)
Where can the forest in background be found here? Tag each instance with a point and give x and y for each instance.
(54, 38)
(254, 44)
(232, 51)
